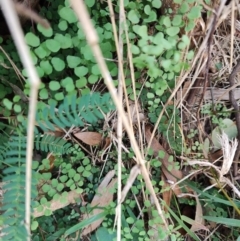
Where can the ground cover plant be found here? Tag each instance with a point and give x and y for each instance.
(135, 130)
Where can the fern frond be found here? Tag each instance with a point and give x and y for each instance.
(13, 206)
(50, 143)
(75, 111)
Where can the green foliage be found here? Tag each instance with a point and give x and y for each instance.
(69, 72)
(14, 184)
(75, 111)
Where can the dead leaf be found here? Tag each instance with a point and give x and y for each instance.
(198, 223)
(172, 176)
(89, 138)
(167, 194)
(71, 198)
(135, 171)
(102, 198)
(106, 143)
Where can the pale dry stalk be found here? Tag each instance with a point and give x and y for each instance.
(18, 37)
(81, 11)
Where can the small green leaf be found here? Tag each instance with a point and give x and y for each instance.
(58, 63)
(60, 187)
(17, 108)
(135, 49)
(77, 177)
(65, 41)
(67, 13)
(90, 3)
(150, 95)
(133, 16)
(63, 178)
(46, 187)
(40, 52)
(63, 25)
(32, 39)
(147, 9)
(172, 31)
(195, 12)
(81, 82)
(34, 225)
(73, 61)
(59, 96)
(177, 20)
(130, 220)
(52, 45)
(43, 94)
(142, 31)
(184, 7)
(167, 21)
(54, 182)
(71, 173)
(156, 3)
(95, 70)
(54, 85)
(166, 63)
(46, 32)
(46, 67)
(40, 71)
(8, 104)
(92, 79)
(190, 26)
(80, 71)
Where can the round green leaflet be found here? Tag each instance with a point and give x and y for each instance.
(52, 45)
(58, 64)
(46, 67)
(90, 3)
(195, 12)
(40, 52)
(73, 61)
(172, 31)
(67, 13)
(59, 96)
(17, 108)
(133, 16)
(63, 25)
(8, 103)
(95, 70)
(70, 87)
(34, 225)
(80, 71)
(156, 3)
(32, 39)
(46, 32)
(92, 79)
(147, 9)
(65, 41)
(81, 82)
(40, 71)
(43, 94)
(54, 85)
